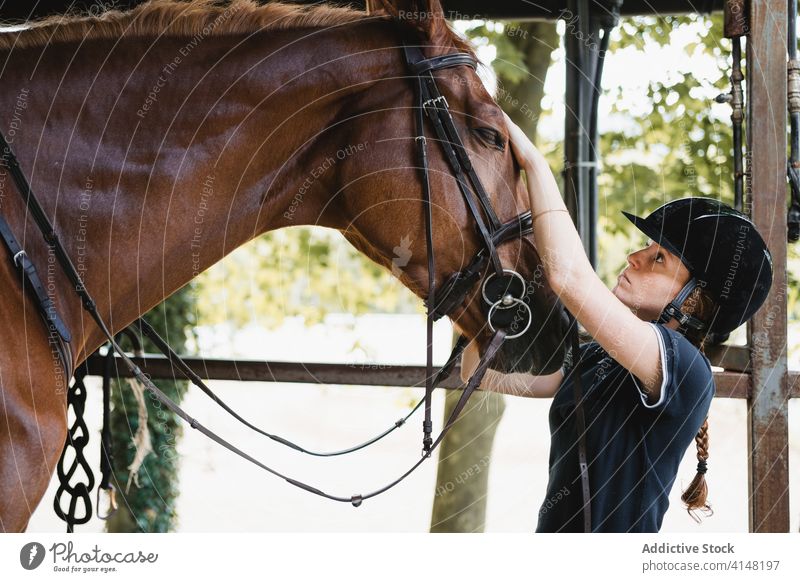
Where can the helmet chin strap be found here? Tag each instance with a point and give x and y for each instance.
(673, 309)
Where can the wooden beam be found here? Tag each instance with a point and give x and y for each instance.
(731, 358)
(768, 416)
(373, 374)
(728, 384)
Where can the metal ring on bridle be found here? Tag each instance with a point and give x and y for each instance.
(507, 304)
(497, 304)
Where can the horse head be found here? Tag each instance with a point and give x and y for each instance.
(383, 201)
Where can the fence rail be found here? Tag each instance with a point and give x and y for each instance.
(729, 384)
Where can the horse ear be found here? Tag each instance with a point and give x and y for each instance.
(426, 16)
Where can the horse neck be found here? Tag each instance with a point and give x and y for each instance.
(185, 163)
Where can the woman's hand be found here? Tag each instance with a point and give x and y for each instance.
(523, 149)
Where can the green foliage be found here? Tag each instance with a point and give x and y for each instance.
(298, 271)
(681, 146)
(150, 506)
(509, 62)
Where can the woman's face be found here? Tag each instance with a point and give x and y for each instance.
(653, 278)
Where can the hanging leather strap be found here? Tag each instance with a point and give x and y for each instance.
(580, 419)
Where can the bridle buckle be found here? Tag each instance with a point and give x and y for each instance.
(18, 256)
(432, 103)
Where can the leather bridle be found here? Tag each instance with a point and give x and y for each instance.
(502, 289)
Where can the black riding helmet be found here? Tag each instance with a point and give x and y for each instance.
(723, 252)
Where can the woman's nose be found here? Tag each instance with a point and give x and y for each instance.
(636, 257)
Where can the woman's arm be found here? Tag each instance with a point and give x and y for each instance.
(627, 339)
(513, 384)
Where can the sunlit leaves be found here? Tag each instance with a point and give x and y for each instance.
(299, 271)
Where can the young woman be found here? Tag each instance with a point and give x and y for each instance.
(647, 385)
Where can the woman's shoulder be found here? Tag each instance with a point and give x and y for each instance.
(682, 356)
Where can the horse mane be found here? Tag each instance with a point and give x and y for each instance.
(179, 18)
(187, 18)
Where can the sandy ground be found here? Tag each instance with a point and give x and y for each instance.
(222, 493)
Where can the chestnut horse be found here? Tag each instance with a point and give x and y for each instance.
(160, 139)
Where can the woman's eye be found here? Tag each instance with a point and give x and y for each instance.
(491, 137)
(660, 256)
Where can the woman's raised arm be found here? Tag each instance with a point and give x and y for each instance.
(627, 339)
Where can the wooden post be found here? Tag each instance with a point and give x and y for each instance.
(768, 418)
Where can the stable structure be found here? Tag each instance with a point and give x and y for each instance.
(758, 372)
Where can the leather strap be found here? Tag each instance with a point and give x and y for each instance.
(356, 500)
(175, 360)
(673, 309)
(419, 65)
(580, 419)
(434, 105)
(25, 266)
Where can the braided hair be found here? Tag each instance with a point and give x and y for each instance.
(697, 492)
(701, 306)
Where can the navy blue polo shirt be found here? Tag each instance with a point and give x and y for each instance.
(634, 447)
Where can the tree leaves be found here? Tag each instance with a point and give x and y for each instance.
(298, 272)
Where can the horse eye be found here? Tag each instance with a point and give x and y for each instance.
(491, 137)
